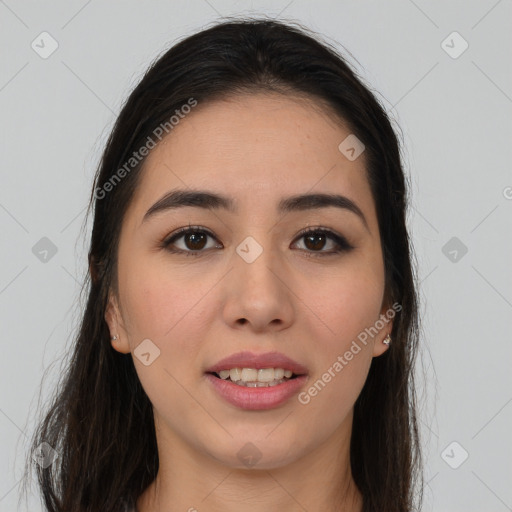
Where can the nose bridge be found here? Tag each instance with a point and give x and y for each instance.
(255, 257)
(257, 292)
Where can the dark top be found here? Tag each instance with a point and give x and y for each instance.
(129, 505)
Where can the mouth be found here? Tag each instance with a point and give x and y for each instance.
(256, 382)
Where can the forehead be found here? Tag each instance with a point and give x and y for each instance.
(255, 148)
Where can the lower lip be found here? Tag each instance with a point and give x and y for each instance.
(256, 399)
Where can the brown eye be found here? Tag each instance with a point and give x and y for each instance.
(195, 241)
(192, 241)
(315, 240)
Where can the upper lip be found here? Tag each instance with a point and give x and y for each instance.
(257, 361)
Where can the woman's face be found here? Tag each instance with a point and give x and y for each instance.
(247, 280)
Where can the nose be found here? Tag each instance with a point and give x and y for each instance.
(258, 292)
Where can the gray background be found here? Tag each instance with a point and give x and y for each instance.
(455, 114)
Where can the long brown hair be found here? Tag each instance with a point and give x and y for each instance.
(100, 420)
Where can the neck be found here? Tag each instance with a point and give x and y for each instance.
(190, 480)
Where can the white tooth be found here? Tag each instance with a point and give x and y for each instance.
(235, 374)
(260, 384)
(249, 375)
(278, 373)
(263, 375)
(266, 375)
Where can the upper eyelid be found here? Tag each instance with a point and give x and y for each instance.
(183, 231)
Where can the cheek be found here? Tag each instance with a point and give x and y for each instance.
(152, 301)
(342, 360)
(329, 396)
(346, 304)
(347, 308)
(169, 308)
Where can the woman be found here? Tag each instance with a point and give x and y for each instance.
(251, 325)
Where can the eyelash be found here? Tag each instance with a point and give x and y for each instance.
(342, 244)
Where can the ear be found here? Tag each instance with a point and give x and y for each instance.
(115, 325)
(386, 315)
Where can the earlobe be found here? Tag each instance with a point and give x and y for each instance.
(118, 338)
(382, 343)
(121, 345)
(383, 340)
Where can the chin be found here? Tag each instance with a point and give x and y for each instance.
(253, 452)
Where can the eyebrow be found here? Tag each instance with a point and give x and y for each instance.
(212, 201)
